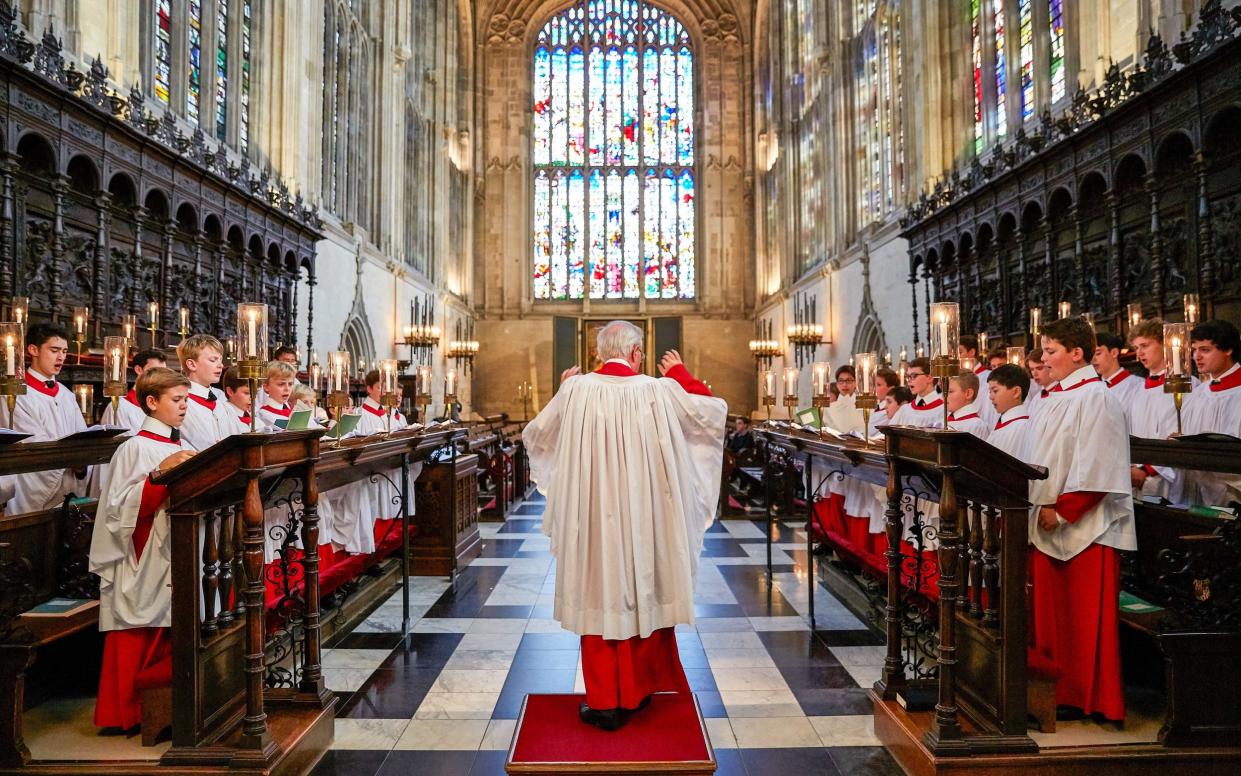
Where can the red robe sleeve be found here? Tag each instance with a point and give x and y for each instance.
(690, 383)
(1071, 506)
(152, 496)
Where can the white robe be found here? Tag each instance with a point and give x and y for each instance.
(1012, 433)
(1126, 388)
(970, 420)
(133, 592)
(276, 515)
(1080, 436)
(1212, 408)
(203, 427)
(45, 418)
(986, 410)
(1151, 414)
(631, 469)
(368, 501)
(930, 416)
(128, 414)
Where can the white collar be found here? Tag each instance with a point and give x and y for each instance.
(156, 426)
(199, 390)
(1085, 373)
(1015, 412)
(1109, 378)
(1234, 368)
(973, 408)
(38, 375)
(929, 397)
(368, 401)
(617, 361)
(236, 409)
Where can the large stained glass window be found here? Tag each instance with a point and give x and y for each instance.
(221, 68)
(1055, 16)
(243, 125)
(1025, 18)
(163, 51)
(613, 146)
(194, 65)
(976, 50)
(1001, 76)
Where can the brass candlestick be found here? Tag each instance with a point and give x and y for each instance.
(1178, 386)
(251, 370)
(424, 400)
(450, 401)
(10, 389)
(790, 401)
(769, 403)
(866, 402)
(389, 402)
(945, 368)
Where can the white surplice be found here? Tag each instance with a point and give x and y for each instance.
(205, 425)
(1124, 385)
(1213, 407)
(1012, 433)
(631, 470)
(128, 414)
(1151, 414)
(366, 502)
(969, 419)
(1079, 434)
(133, 592)
(923, 412)
(45, 418)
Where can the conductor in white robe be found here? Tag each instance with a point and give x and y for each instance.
(630, 465)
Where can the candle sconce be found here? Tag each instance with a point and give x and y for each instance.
(804, 333)
(422, 391)
(421, 335)
(153, 322)
(903, 366)
(767, 390)
(450, 392)
(1178, 356)
(866, 365)
(13, 370)
(129, 330)
(115, 354)
(252, 344)
(85, 394)
(763, 347)
(338, 371)
(1036, 326)
(464, 348)
(183, 322)
(21, 313)
(1133, 314)
(945, 344)
(820, 384)
(1192, 309)
(1015, 355)
(790, 389)
(387, 385)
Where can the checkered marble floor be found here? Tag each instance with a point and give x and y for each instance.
(778, 698)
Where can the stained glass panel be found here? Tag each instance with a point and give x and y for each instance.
(1025, 17)
(163, 51)
(194, 68)
(1055, 15)
(976, 48)
(243, 124)
(613, 149)
(1001, 77)
(221, 69)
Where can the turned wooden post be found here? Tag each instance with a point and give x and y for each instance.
(211, 570)
(975, 554)
(945, 724)
(893, 678)
(227, 603)
(254, 733)
(312, 668)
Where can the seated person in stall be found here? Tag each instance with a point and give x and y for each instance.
(383, 505)
(47, 411)
(741, 439)
(1081, 518)
(1214, 407)
(207, 419)
(1007, 386)
(965, 405)
(1106, 362)
(304, 396)
(1040, 381)
(1151, 412)
(277, 390)
(886, 381)
(927, 408)
(131, 550)
(128, 413)
(997, 358)
(237, 392)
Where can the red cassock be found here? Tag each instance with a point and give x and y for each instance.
(134, 657)
(1075, 618)
(620, 673)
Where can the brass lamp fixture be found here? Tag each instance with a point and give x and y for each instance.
(805, 334)
(945, 343)
(764, 347)
(464, 348)
(252, 347)
(1178, 355)
(13, 368)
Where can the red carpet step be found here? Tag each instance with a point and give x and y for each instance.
(667, 737)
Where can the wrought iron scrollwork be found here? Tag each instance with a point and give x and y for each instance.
(286, 574)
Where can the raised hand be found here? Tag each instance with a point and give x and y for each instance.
(669, 360)
(570, 372)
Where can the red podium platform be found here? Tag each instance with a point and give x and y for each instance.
(667, 737)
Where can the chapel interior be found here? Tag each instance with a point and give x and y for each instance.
(458, 195)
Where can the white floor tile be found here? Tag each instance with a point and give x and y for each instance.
(776, 733)
(443, 734)
(375, 734)
(850, 730)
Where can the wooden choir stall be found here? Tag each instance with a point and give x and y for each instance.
(246, 693)
(946, 582)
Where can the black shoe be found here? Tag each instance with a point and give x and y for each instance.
(606, 719)
(645, 702)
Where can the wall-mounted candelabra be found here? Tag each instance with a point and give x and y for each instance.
(764, 347)
(805, 333)
(464, 348)
(421, 335)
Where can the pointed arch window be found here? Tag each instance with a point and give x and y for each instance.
(162, 77)
(615, 181)
(221, 69)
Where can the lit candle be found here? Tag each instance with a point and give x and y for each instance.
(116, 365)
(450, 382)
(10, 358)
(337, 380)
(790, 381)
(1135, 314)
(79, 323)
(252, 335)
(316, 375)
(863, 375)
(82, 398)
(943, 334)
(1066, 309)
(1036, 316)
(982, 342)
(1191, 308)
(1176, 356)
(820, 380)
(769, 384)
(904, 354)
(153, 314)
(183, 315)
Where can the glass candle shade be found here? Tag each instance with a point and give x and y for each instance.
(314, 377)
(945, 329)
(969, 364)
(387, 376)
(21, 310)
(153, 315)
(1133, 314)
(865, 364)
(790, 381)
(183, 320)
(450, 382)
(767, 385)
(901, 368)
(1177, 353)
(821, 378)
(920, 351)
(1016, 355)
(338, 371)
(1089, 319)
(12, 337)
(1192, 309)
(129, 327)
(81, 321)
(85, 394)
(422, 383)
(983, 339)
(252, 332)
(1036, 323)
(115, 354)
(1066, 309)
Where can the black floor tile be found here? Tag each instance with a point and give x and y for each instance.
(404, 763)
(490, 763)
(343, 762)
(718, 610)
(391, 694)
(701, 679)
(797, 647)
(816, 676)
(717, 528)
(521, 526)
(851, 638)
(423, 650)
(505, 612)
(521, 683)
(728, 763)
(864, 761)
(820, 702)
(788, 762)
(500, 548)
(545, 659)
(774, 606)
(367, 641)
(538, 641)
(722, 548)
(711, 704)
